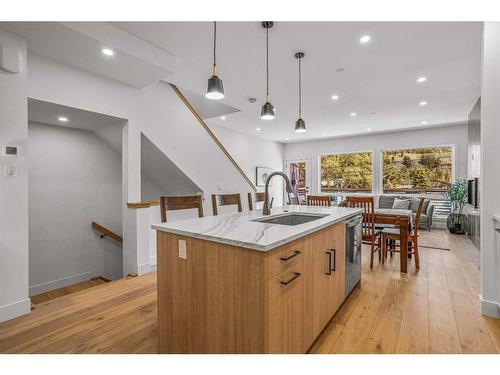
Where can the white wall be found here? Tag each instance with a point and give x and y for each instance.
(74, 179)
(455, 135)
(14, 299)
(490, 170)
(158, 113)
(251, 152)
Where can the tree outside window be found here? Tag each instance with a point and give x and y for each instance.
(346, 172)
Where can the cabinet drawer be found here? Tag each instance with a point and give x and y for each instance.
(284, 257)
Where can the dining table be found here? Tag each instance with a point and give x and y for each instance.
(400, 218)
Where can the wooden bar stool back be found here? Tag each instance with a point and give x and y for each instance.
(318, 200)
(259, 197)
(393, 234)
(180, 203)
(370, 233)
(225, 200)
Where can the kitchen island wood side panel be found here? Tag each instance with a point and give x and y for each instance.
(211, 302)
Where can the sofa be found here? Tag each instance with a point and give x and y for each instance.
(387, 201)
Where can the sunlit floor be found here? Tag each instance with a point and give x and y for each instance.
(434, 310)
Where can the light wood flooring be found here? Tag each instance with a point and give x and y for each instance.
(434, 310)
(44, 297)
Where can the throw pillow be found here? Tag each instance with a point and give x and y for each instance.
(401, 204)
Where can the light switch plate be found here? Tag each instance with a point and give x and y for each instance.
(11, 171)
(182, 249)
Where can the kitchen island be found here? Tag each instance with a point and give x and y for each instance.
(235, 284)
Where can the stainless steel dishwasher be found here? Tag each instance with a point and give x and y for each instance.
(353, 252)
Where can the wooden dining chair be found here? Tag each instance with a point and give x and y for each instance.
(370, 233)
(180, 203)
(393, 235)
(259, 197)
(318, 200)
(225, 200)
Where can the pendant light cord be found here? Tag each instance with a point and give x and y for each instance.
(300, 91)
(267, 64)
(215, 39)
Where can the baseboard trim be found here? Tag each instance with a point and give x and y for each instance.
(143, 268)
(152, 263)
(13, 310)
(59, 283)
(489, 308)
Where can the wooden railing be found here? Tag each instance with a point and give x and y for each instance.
(106, 232)
(212, 135)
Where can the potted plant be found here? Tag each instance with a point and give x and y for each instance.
(457, 221)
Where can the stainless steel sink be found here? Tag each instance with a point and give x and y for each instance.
(291, 218)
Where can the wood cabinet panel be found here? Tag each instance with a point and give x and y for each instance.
(286, 256)
(226, 299)
(286, 311)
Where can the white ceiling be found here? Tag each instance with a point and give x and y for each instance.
(379, 77)
(378, 82)
(49, 113)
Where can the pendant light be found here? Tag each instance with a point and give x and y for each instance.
(267, 111)
(215, 88)
(300, 125)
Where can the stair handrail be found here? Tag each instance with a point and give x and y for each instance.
(105, 232)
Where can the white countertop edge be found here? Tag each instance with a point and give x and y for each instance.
(253, 246)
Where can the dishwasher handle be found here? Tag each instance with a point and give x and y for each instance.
(356, 220)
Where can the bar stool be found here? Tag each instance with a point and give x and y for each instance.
(180, 203)
(225, 200)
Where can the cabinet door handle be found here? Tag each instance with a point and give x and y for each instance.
(295, 253)
(329, 272)
(334, 260)
(295, 276)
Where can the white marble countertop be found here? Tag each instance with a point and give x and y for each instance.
(239, 230)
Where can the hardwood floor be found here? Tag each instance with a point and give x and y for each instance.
(435, 310)
(44, 297)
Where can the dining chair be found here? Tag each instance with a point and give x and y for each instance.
(369, 233)
(393, 235)
(318, 200)
(259, 197)
(180, 203)
(225, 200)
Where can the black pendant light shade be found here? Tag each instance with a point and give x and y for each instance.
(300, 125)
(215, 87)
(267, 110)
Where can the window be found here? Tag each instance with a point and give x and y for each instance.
(426, 169)
(346, 172)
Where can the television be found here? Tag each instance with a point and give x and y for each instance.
(473, 192)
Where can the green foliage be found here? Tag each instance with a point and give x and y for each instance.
(457, 194)
(426, 168)
(420, 179)
(346, 171)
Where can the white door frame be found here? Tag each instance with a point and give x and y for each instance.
(307, 161)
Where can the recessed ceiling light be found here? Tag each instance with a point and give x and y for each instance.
(422, 103)
(335, 97)
(340, 70)
(365, 39)
(287, 138)
(324, 134)
(424, 122)
(368, 129)
(258, 129)
(108, 51)
(62, 119)
(353, 114)
(421, 79)
(223, 117)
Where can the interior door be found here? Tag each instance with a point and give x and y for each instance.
(299, 172)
